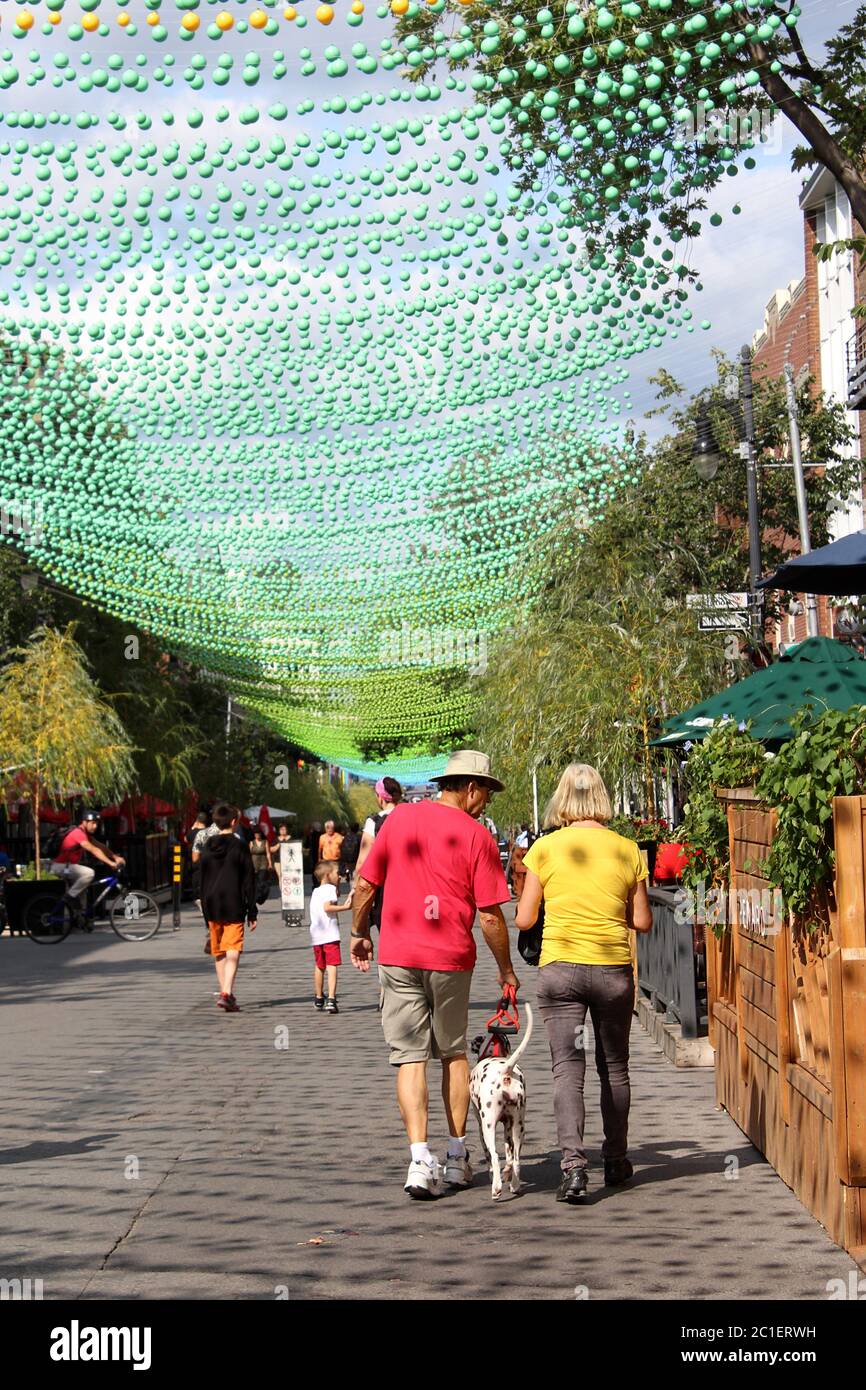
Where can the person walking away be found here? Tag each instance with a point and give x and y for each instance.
(325, 933)
(329, 844)
(437, 866)
(66, 864)
(594, 886)
(349, 851)
(518, 855)
(263, 864)
(228, 896)
(205, 829)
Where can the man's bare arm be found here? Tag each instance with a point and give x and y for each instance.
(361, 952)
(496, 935)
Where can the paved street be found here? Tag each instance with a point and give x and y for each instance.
(155, 1147)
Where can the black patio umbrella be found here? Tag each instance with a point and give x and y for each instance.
(837, 568)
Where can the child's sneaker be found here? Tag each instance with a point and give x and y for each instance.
(331, 1007)
(319, 1003)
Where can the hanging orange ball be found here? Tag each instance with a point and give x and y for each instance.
(258, 19)
(325, 13)
(224, 21)
(290, 12)
(399, 6)
(24, 20)
(123, 19)
(357, 6)
(54, 18)
(89, 22)
(190, 23)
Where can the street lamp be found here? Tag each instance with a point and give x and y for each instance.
(705, 450)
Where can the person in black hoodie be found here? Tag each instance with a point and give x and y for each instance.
(228, 897)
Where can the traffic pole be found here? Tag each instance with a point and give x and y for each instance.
(176, 876)
(749, 453)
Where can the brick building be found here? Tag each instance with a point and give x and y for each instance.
(810, 324)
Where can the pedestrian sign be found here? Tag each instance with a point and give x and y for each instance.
(292, 882)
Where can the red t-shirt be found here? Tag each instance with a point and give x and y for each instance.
(71, 850)
(438, 866)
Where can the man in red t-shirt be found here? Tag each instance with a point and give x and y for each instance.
(437, 867)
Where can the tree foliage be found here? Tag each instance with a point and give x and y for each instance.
(57, 734)
(602, 105)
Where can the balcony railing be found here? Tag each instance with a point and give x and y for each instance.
(855, 362)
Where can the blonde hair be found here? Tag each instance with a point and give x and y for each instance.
(581, 795)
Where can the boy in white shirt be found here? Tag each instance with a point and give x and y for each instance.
(325, 932)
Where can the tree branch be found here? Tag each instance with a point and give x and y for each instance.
(801, 115)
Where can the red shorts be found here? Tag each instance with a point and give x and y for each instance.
(329, 954)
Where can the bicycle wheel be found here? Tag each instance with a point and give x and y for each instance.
(135, 916)
(47, 919)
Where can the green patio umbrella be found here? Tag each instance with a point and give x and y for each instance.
(818, 672)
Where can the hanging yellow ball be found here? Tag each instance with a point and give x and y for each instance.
(325, 13)
(153, 19)
(190, 23)
(89, 22)
(258, 19)
(54, 18)
(357, 6)
(290, 12)
(399, 6)
(224, 21)
(24, 20)
(123, 19)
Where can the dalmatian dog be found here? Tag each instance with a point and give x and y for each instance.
(498, 1092)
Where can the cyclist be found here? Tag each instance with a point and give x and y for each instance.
(67, 862)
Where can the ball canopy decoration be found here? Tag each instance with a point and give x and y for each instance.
(292, 372)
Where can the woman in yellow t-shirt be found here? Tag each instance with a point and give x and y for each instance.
(594, 886)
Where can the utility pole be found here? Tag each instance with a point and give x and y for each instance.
(800, 485)
(749, 453)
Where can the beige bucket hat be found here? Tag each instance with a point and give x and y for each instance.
(467, 762)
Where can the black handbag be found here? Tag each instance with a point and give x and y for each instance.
(529, 942)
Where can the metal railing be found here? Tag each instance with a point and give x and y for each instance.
(671, 966)
(855, 363)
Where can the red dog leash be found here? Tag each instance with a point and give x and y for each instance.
(500, 1026)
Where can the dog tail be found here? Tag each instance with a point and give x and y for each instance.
(515, 1056)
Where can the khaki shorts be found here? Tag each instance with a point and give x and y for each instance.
(425, 1013)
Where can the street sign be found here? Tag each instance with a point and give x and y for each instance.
(712, 603)
(723, 622)
(292, 882)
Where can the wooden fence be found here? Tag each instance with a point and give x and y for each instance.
(787, 1019)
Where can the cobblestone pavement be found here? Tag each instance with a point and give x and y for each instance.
(156, 1147)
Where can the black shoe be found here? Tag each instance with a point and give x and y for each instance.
(573, 1186)
(331, 1006)
(319, 1003)
(617, 1171)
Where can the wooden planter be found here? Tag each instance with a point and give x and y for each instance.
(787, 1019)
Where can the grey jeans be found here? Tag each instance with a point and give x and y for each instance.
(565, 992)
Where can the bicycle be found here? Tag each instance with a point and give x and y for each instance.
(134, 915)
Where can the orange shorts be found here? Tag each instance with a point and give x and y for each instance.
(225, 936)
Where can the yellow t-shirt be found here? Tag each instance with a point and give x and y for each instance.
(587, 873)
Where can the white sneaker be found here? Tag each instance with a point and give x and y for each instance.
(423, 1181)
(458, 1171)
